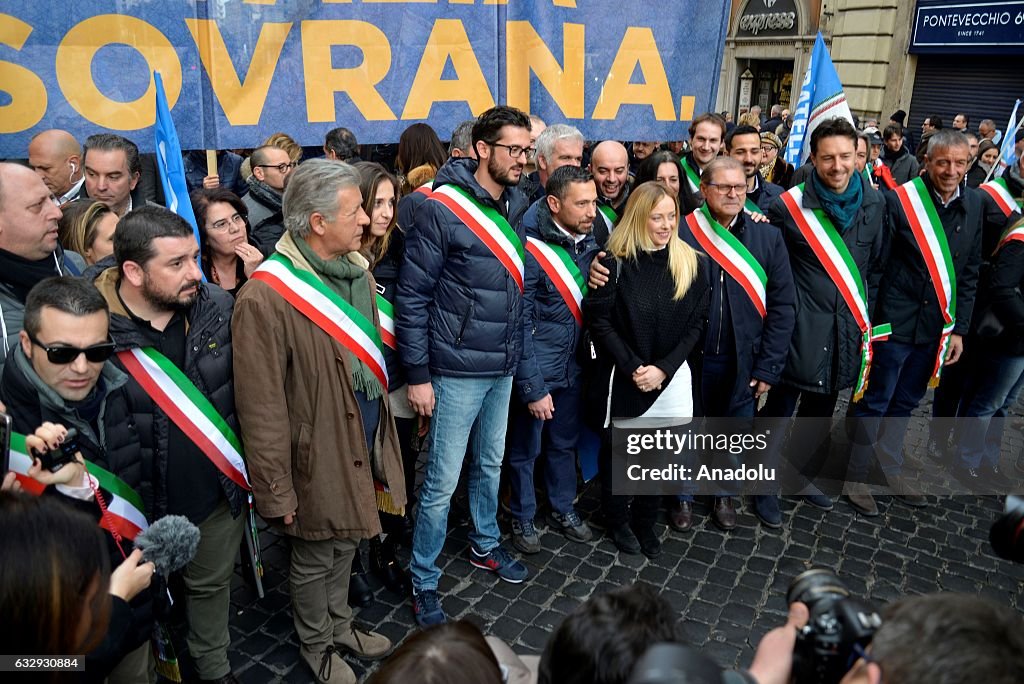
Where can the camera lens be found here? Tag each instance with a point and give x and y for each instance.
(812, 586)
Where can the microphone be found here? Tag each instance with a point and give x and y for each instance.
(169, 543)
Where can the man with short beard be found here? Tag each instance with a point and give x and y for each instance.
(743, 144)
(173, 337)
(459, 322)
(609, 165)
(706, 134)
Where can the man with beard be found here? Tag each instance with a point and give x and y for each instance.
(460, 335)
(29, 251)
(549, 380)
(270, 169)
(173, 337)
(743, 144)
(609, 165)
(706, 134)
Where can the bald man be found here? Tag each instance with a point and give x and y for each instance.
(57, 157)
(609, 165)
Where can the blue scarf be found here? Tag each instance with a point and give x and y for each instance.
(841, 208)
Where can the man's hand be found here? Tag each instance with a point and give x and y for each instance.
(10, 483)
(289, 518)
(421, 399)
(251, 257)
(47, 437)
(758, 217)
(648, 378)
(211, 182)
(131, 577)
(773, 660)
(542, 409)
(759, 387)
(598, 276)
(956, 349)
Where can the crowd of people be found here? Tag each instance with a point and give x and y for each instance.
(338, 323)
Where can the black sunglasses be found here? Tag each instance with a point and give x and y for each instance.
(62, 356)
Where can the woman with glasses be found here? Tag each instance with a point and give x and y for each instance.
(645, 323)
(228, 255)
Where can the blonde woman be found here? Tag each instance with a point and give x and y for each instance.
(87, 227)
(645, 323)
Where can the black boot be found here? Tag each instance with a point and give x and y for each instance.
(359, 593)
(385, 567)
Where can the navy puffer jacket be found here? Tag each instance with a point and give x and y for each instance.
(459, 311)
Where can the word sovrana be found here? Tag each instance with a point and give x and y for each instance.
(669, 441)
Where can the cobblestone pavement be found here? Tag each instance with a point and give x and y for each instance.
(729, 588)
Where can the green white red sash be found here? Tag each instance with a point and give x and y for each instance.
(386, 313)
(919, 208)
(564, 273)
(692, 176)
(125, 505)
(609, 215)
(750, 207)
(332, 314)
(731, 254)
(425, 189)
(487, 224)
(189, 409)
(1000, 192)
(834, 256)
(1011, 234)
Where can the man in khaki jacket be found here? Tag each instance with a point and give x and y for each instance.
(319, 437)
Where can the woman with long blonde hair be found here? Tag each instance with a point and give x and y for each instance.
(644, 324)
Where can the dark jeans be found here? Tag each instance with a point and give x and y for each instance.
(997, 385)
(953, 395)
(808, 446)
(898, 382)
(558, 437)
(641, 511)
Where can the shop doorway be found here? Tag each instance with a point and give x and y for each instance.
(772, 83)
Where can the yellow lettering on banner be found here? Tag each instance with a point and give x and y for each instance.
(27, 91)
(323, 80)
(242, 102)
(447, 39)
(686, 105)
(638, 47)
(74, 70)
(525, 51)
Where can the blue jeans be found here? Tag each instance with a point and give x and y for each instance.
(898, 381)
(999, 380)
(559, 436)
(462, 405)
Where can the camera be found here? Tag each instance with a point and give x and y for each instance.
(827, 647)
(54, 459)
(1007, 533)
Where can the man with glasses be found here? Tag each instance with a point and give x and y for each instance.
(271, 167)
(29, 251)
(173, 336)
(60, 372)
(459, 319)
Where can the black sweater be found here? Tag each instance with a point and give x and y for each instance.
(634, 321)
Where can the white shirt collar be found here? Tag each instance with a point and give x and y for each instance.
(73, 192)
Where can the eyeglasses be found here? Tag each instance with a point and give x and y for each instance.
(62, 356)
(515, 151)
(225, 224)
(767, 149)
(723, 189)
(283, 167)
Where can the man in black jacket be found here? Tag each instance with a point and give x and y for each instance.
(173, 337)
(707, 132)
(743, 144)
(927, 295)
(825, 353)
(460, 335)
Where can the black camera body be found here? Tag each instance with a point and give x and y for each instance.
(827, 647)
(1007, 533)
(55, 459)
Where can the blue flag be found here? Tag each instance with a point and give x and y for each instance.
(821, 98)
(168, 160)
(1008, 150)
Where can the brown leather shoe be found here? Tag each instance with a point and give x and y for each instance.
(724, 513)
(861, 499)
(680, 516)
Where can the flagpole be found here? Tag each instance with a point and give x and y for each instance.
(1007, 143)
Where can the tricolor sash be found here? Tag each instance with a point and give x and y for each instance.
(332, 314)
(1012, 233)
(919, 208)
(750, 207)
(564, 273)
(487, 224)
(386, 313)
(692, 177)
(833, 254)
(609, 215)
(189, 409)
(425, 189)
(125, 505)
(1000, 192)
(731, 254)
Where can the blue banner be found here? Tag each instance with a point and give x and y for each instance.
(821, 98)
(236, 71)
(955, 26)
